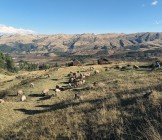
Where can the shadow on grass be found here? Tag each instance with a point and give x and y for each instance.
(41, 96)
(55, 79)
(81, 89)
(47, 97)
(96, 102)
(57, 106)
(64, 82)
(35, 95)
(4, 93)
(66, 87)
(12, 95)
(135, 126)
(130, 101)
(60, 137)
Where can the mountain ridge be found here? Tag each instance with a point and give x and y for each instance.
(79, 43)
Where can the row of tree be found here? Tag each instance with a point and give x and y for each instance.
(23, 65)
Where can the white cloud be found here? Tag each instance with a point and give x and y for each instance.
(11, 30)
(157, 22)
(154, 3)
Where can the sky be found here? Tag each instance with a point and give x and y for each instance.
(80, 16)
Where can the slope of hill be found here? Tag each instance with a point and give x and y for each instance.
(119, 106)
(79, 43)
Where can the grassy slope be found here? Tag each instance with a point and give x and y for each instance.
(114, 109)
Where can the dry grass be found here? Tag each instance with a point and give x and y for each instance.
(116, 108)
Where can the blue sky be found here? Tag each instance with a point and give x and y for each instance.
(80, 16)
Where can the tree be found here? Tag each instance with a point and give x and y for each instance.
(10, 66)
(2, 60)
(56, 64)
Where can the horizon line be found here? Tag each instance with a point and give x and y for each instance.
(77, 33)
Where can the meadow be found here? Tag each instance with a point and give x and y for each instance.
(116, 104)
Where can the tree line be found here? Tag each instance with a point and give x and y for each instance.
(24, 65)
(7, 63)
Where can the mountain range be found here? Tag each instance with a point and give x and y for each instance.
(80, 43)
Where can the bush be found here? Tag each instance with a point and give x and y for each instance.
(44, 67)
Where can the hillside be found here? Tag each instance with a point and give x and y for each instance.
(123, 104)
(79, 43)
